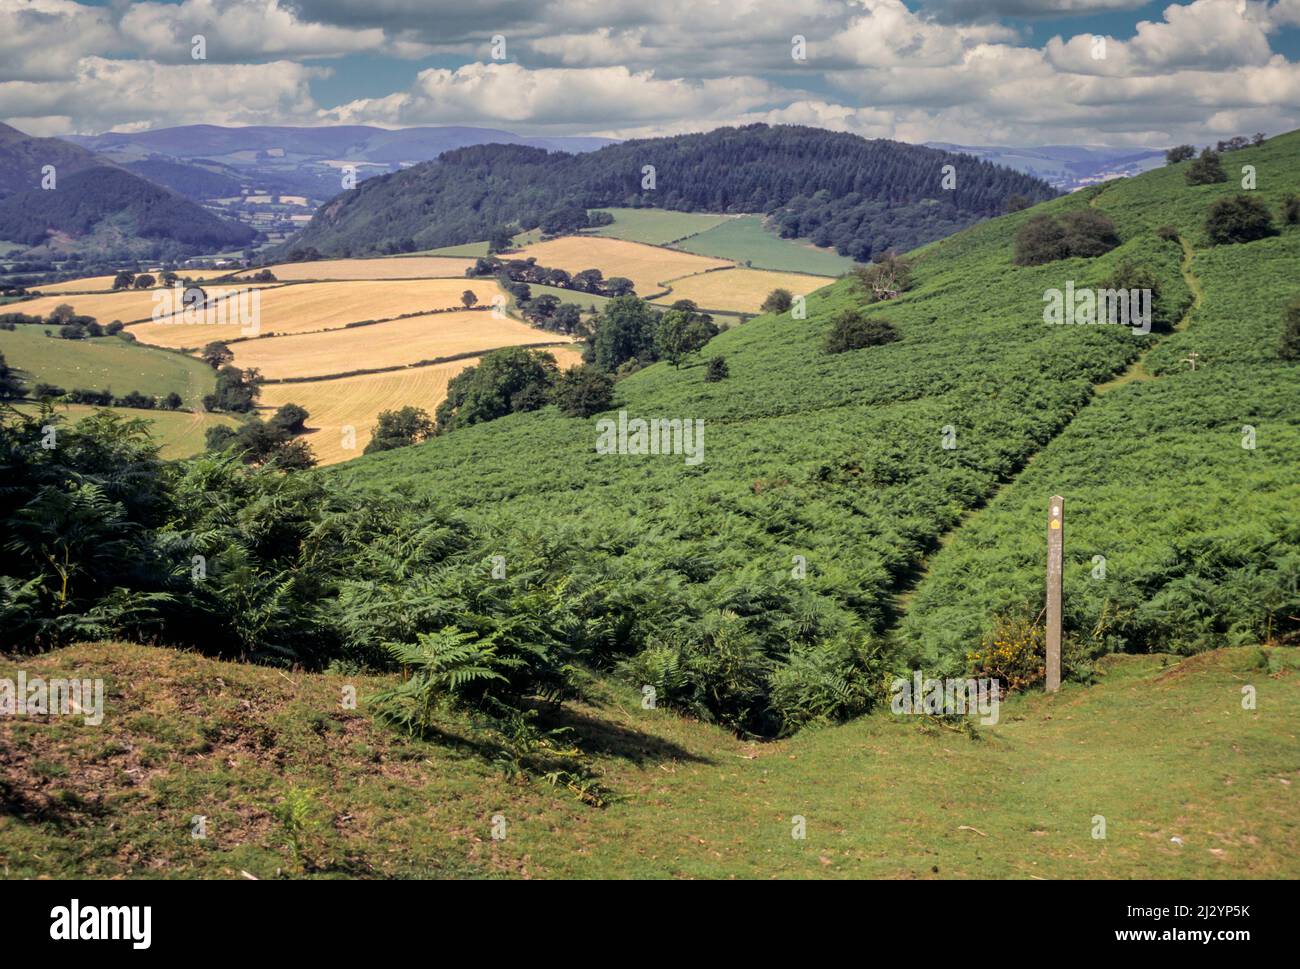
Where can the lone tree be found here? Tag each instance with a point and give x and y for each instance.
(500, 239)
(216, 354)
(717, 370)
(886, 278)
(778, 301)
(1290, 348)
(1206, 170)
(400, 428)
(680, 333)
(468, 298)
(1179, 153)
(1238, 219)
(292, 417)
(853, 330)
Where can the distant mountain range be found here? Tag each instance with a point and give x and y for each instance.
(267, 182)
(1067, 167)
(94, 205)
(272, 177)
(350, 142)
(280, 159)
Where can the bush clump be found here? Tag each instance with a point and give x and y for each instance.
(854, 330)
(1206, 170)
(1238, 219)
(1047, 238)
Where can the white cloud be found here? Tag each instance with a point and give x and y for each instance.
(1200, 70)
(105, 94)
(44, 39)
(573, 97)
(237, 30)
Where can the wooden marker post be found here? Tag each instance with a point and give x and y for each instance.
(1055, 556)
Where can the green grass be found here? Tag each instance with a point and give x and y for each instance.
(292, 785)
(745, 240)
(179, 433)
(104, 362)
(658, 227)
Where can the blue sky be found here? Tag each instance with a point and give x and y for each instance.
(1026, 72)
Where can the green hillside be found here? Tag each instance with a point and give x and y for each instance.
(840, 459)
(745, 240)
(104, 363)
(292, 786)
(656, 226)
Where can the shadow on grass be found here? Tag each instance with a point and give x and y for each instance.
(593, 735)
(61, 812)
(602, 737)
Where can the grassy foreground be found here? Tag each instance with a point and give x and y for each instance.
(293, 785)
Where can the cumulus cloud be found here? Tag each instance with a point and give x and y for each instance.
(1203, 35)
(577, 98)
(105, 94)
(237, 30)
(985, 9)
(43, 39)
(1199, 70)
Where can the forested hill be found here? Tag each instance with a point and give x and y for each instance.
(93, 204)
(833, 188)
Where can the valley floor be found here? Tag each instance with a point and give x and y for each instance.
(290, 784)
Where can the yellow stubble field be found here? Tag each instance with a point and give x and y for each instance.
(309, 307)
(390, 267)
(741, 290)
(136, 304)
(385, 344)
(355, 402)
(647, 266)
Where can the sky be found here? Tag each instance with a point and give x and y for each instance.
(975, 72)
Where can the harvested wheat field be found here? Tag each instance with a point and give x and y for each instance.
(389, 267)
(386, 344)
(357, 401)
(137, 304)
(309, 307)
(88, 284)
(741, 290)
(647, 266)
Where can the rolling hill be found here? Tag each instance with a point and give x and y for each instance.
(837, 462)
(837, 189)
(95, 205)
